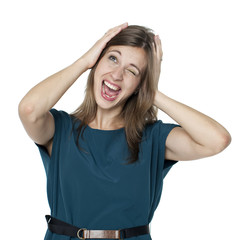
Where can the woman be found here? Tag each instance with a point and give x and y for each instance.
(106, 162)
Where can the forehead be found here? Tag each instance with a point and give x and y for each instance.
(134, 55)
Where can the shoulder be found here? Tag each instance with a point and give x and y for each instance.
(61, 116)
(159, 128)
(157, 133)
(63, 120)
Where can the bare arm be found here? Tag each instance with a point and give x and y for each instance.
(200, 135)
(34, 107)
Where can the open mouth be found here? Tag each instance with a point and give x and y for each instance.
(109, 91)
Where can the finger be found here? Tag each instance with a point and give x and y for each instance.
(158, 47)
(113, 32)
(121, 26)
(117, 28)
(158, 41)
(101, 43)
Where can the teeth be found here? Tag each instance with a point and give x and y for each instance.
(106, 94)
(111, 86)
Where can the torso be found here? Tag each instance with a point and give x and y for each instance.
(48, 146)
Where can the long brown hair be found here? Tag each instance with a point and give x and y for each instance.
(138, 111)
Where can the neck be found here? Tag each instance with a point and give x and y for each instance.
(107, 120)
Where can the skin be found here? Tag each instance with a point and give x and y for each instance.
(117, 67)
(34, 107)
(199, 137)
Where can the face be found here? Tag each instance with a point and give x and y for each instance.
(117, 75)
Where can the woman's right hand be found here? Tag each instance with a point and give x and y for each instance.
(92, 55)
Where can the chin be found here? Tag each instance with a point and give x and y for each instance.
(107, 105)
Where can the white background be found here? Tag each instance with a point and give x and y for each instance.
(200, 68)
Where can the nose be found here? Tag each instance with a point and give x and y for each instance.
(117, 73)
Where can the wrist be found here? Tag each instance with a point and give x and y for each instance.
(158, 99)
(81, 64)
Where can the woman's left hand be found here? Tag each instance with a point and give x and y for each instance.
(157, 53)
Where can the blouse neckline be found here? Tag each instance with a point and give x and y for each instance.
(104, 131)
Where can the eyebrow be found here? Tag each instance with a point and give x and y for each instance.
(130, 63)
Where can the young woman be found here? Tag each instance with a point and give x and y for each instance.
(105, 163)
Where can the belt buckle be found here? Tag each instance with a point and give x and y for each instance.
(120, 234)
(79, 231)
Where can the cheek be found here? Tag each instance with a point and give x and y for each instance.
(98, 73)
(131, 88)
(98, 69)
(135, 84)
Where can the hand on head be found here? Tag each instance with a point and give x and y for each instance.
(157, 53)
(92, 55)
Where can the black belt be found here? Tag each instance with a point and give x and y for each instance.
(63, 228)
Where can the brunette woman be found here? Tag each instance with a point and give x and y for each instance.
(105, 162)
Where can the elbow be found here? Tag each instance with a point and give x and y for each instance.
(226, 140)
(26, 111)
(222, 142)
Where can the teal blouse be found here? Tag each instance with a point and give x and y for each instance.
(93, 188)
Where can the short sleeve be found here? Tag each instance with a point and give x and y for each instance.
(164, 130)
(157, 135)
(61, 120)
